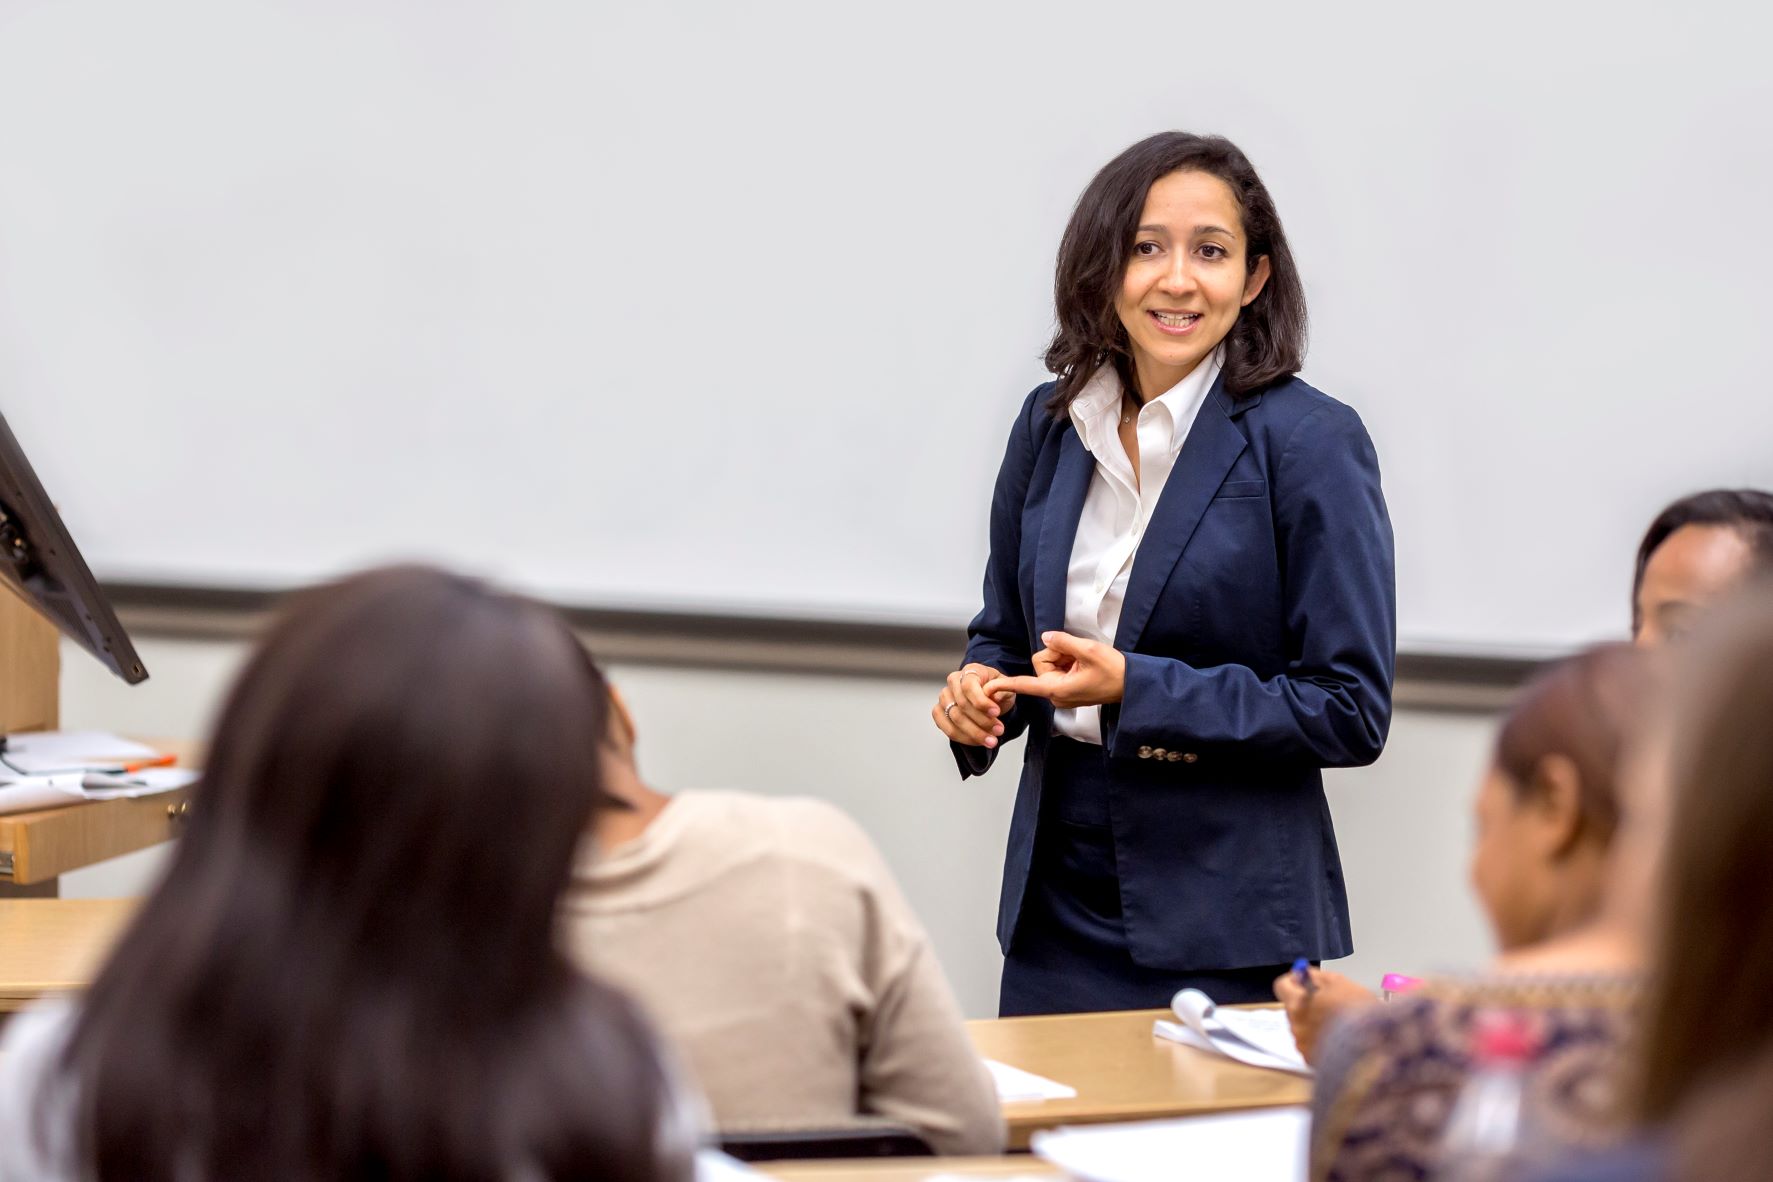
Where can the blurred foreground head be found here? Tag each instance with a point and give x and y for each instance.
(407, 744)
(1708, 1045)
(349, 969)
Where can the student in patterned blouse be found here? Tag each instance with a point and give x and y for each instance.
(1569, 930)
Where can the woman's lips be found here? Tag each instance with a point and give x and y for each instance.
(1175, 324)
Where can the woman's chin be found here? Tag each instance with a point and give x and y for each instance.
(1171, 360)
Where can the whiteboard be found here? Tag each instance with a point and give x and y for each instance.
(717, 306)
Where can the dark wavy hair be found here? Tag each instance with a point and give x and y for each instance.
(1266, 343)
(349, 970)
(1749, 511)
(1705, 1058)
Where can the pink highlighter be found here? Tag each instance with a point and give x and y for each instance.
(1393, 984)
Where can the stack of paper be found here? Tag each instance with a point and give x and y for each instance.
(1261, 1038)
(1267, 1146)
(46, 769)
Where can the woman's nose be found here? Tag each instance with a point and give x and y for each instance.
(1177, 277)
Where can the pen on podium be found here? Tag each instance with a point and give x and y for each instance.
(139, 764)
(1302, 974)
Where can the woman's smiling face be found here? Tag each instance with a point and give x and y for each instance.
(1187, 277)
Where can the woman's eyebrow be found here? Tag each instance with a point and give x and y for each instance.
(1198, 230)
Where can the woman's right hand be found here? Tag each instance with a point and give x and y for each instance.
(1310, 1011)
(965, 713)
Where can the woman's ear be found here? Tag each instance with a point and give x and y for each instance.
(1255, 281)
(1555, 805)
(622, 732)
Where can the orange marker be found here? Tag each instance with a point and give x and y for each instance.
(157, 761)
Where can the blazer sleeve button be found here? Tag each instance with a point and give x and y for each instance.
(1190, 757)
(1145, 752)
(1159, 753)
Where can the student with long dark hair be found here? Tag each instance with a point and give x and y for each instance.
(350, 968)
(1703, 1069)
(1188, 606)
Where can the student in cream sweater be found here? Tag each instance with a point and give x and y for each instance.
(768, 939)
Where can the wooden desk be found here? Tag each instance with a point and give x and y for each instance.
(54, 945)
(1123, 1072)
(908, 1169)
(38, 847)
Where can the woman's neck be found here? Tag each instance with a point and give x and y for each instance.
(640, 807)
(1150, 380)
(1599, 947)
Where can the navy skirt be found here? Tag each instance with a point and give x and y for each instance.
(1069, 950)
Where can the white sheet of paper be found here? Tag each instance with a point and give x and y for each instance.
(715, 1166)
(1267, 1146)
(1260, 1038)
(28, 793)
(35, 752)
(23, 794)
(1014, 1084)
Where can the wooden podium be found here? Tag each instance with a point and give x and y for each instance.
(30, 667)
(37, 847)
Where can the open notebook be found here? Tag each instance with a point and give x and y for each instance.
(1261, 1038)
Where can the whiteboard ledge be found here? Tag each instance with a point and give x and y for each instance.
(1438, 680)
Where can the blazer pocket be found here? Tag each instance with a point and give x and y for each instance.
(1233, 490)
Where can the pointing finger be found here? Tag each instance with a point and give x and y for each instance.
(1035, 686)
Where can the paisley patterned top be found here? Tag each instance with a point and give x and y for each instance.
(1390, 1074)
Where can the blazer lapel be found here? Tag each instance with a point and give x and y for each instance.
(1058, 531)
(1212, 446)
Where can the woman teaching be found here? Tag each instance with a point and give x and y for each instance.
(1189, 607)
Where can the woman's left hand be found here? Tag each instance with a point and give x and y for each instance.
(1070, 672)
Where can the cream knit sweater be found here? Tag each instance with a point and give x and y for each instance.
(770, 943)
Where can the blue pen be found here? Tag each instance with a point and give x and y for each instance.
(1302, 974)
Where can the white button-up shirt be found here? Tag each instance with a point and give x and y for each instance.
(1118, 506)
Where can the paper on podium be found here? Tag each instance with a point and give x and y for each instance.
(38, 753)
(1268, 1146)
(1014, 1084)
(1261, 1038)
(147, 782)
(49, 769)
(25, 794)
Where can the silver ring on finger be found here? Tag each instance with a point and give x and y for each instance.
(948, 711)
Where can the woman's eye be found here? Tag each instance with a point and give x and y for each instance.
(1146, 248)
(1213, 250)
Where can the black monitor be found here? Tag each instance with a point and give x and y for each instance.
(40, 561)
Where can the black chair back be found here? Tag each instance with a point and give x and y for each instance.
(872, 1139)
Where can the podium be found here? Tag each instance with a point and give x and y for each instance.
(36, 848)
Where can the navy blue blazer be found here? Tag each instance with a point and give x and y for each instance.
(1259, 628)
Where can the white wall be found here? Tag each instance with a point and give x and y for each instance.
(488, 268)
(868, 745)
